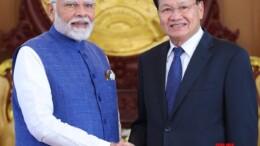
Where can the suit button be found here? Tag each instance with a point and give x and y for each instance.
(168, 129)
(85, 55)
(99, 98)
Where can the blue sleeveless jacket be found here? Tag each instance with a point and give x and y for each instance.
(82, 96)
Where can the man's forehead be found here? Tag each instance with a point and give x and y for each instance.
(78, 1)
(178, 1)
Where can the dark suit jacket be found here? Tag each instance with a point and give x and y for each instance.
(216, 103)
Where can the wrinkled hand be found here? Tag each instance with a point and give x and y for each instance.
(122, 144)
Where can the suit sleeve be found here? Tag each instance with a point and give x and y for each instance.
(241, 102)
(138, 131)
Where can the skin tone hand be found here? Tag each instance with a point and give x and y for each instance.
(121, 144)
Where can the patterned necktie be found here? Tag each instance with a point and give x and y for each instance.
(174, 79)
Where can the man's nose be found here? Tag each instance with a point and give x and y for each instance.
(81, 11)
(175, 14)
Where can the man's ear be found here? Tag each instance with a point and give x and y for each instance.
(201, 9)
(50, 11)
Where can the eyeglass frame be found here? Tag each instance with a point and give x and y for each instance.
(180, 9)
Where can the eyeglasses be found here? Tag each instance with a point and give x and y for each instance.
(73, 5)
(167, 10)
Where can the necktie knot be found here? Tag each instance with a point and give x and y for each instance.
(178, 51)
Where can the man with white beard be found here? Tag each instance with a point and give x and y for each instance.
(64, 92)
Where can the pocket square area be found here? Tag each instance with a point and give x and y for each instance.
(110, 75)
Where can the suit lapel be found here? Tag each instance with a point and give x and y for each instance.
(197, 63)
(160, 77)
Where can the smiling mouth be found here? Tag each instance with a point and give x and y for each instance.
(80, 24)
(180, 25)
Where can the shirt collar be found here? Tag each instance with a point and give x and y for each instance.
(190, 45)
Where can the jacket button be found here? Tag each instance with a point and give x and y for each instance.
(99, 98)
(93, 76)
(168, 129)
(85, 55)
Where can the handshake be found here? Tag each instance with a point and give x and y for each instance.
(121, 144)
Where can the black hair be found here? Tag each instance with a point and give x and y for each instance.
(157, 5)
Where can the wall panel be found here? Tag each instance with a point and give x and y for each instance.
(245, 16)
(9, 14)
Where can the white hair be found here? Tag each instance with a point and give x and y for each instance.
(77, 34)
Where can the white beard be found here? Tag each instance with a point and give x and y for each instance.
(77, 34)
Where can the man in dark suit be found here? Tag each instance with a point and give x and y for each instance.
(212, 101)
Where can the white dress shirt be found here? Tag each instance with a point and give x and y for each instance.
(189, 47)
(35, 100)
